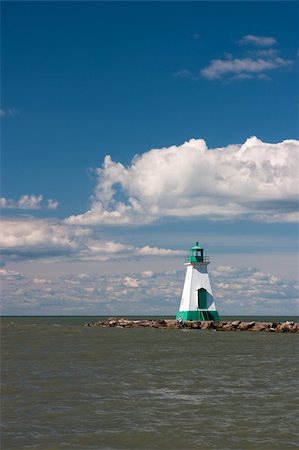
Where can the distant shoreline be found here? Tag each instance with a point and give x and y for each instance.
(224, 317)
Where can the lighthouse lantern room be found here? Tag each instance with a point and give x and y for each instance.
(197, 302)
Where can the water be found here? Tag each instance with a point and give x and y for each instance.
(66, 386)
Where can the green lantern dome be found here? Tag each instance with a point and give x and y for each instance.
(196, 247)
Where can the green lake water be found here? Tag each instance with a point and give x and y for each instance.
(66, 386)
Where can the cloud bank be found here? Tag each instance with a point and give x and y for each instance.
(256, 181)
(31, 239)
(236, 290)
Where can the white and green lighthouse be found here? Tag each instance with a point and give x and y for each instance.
(197, 302)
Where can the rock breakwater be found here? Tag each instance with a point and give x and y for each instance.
(235, 325)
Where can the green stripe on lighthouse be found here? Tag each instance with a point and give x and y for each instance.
(198, 315)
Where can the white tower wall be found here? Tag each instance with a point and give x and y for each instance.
(197, 277)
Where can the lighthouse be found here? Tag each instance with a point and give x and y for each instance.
(197, 302)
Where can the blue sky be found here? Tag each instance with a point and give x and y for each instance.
(82, 80)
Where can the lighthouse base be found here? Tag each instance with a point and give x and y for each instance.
(199, 314)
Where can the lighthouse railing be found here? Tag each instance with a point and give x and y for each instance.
(198, 258)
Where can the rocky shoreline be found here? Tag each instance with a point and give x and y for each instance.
(235, 325)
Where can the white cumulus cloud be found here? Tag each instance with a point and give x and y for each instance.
(256, 180)
(28, 202)
(33, 238)
(254, 60)
(259, 41)
(42, 281)
(156, 251)
(10, 275)
(246, 66)
(130, 282)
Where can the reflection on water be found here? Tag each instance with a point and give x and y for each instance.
(75, 387)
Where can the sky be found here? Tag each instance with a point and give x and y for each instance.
(131, 130)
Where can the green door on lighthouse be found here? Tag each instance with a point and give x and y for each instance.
(202, 298)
